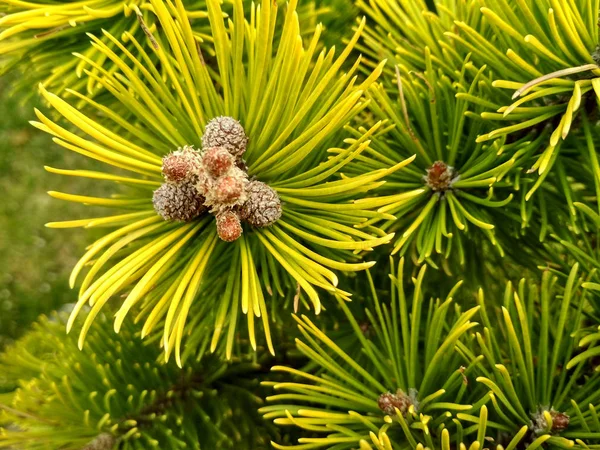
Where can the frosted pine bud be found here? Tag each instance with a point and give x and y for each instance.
(229, 227)
(225, 132)
(224, 192)
(440, 176)
(181, 165)
(263, 206)
(388, 402)
(180, 202)
(229, 189)
(104, 441)
(217, 161)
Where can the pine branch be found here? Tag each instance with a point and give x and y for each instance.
(120, 393)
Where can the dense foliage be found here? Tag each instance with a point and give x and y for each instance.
(321, 225)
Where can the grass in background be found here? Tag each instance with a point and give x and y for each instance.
(34, 261)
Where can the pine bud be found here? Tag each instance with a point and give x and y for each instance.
(104, 441)
(224, 192)
(560, 421)
(229, 227)
(229, 189)
(217, 161)
(225, 132)
(180, 202)
(388, 402)
(263, 206)
(440, 176)
(181, 165)
(539, 424)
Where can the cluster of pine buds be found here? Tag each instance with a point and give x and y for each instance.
(215, 180)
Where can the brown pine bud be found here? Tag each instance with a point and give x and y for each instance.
(225, 132)
(180, 202)
(539, 424)
(229, 189)
(229, 227)
(181, 165)
(388, 402)
(224, 192)
(263, 206)
(560, 421)
(217, 161)
(440, 176)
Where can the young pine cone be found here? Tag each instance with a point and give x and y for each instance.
(180, 202)
(229, 227)
(225, 132)
(388, 402)
(263, 206)
(181, 165)
(217, 161)
(560, 421)
(539, 424)
(225, 192)
(440, 176)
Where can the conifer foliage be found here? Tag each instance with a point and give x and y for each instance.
(117, 395)
(320, 224)
(165, 260)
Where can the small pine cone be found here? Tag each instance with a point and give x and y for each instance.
(263, 206)
(181, 165)
(180, 202)
(229, 227)
(225, 132)
(104, 441)
(217, 161)
(539, 424)
(388, 402)
(224, 192)
(229, 189)
(560, 421)
(440, 176)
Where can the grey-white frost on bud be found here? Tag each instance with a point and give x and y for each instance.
(263, 206)
(178, 201)
(225, 132)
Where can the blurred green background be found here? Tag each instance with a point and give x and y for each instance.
(34, 261)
